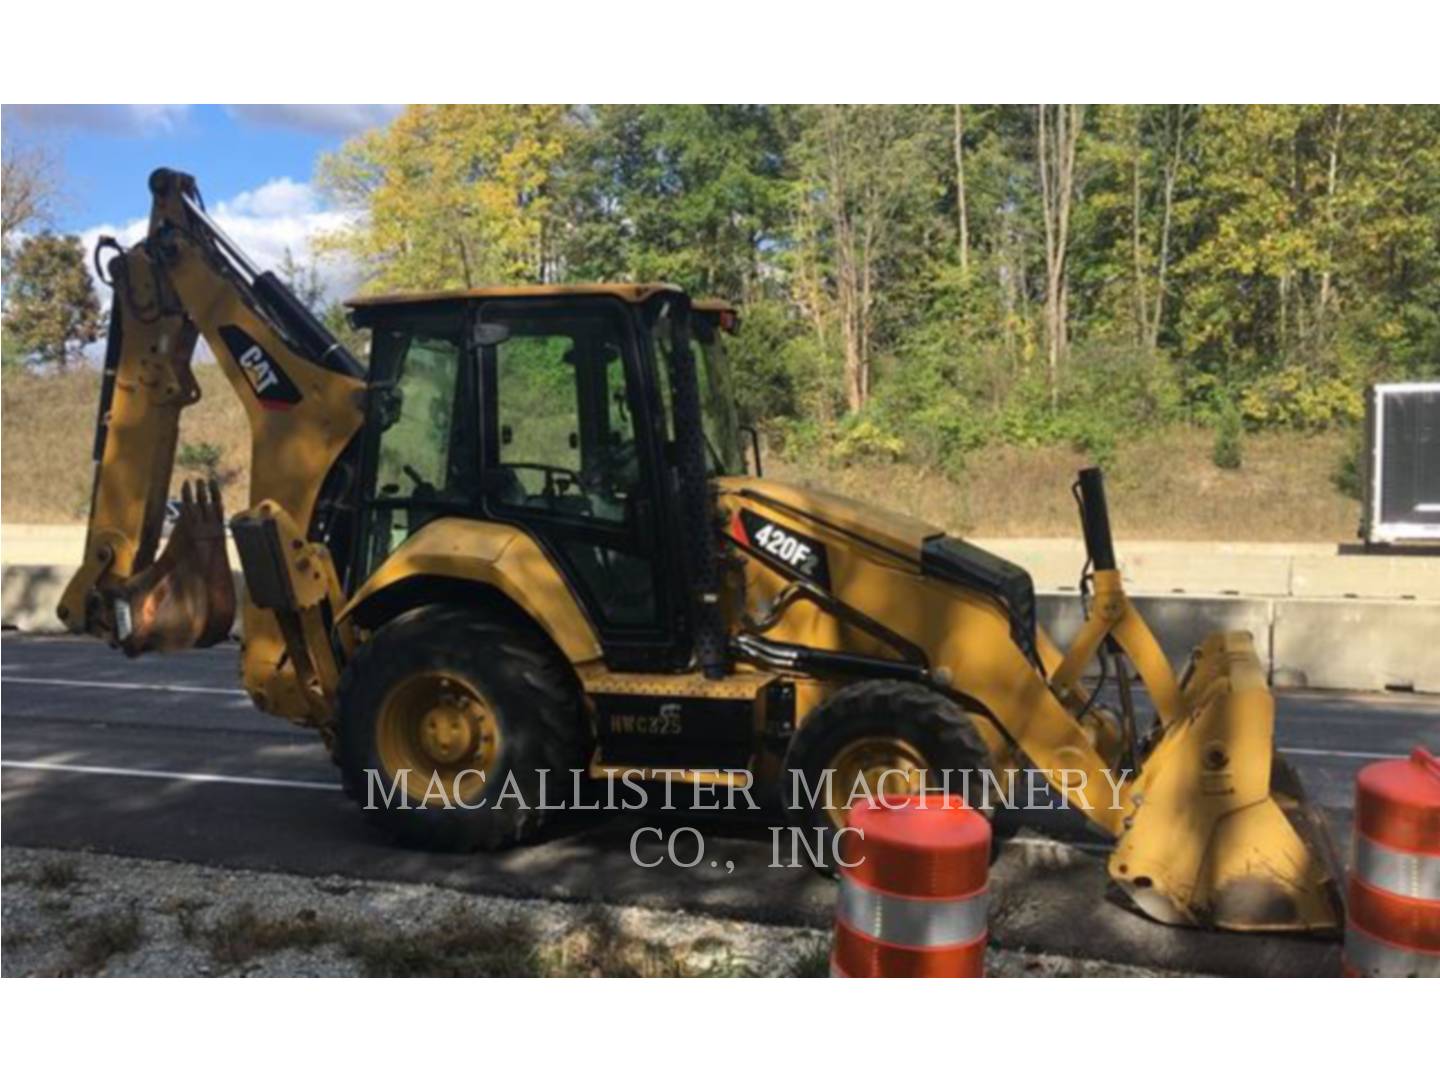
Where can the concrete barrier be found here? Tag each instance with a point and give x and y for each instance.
(1356, 645)
(1180, 623)
(30, 595)
(1239, 569)
(1388, 577)
(1318, 641)
(42, 545)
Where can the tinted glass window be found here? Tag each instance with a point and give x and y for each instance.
(566, 435)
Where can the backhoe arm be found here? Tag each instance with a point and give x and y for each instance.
(303, 396)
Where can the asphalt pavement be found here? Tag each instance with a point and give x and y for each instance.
(164, 757)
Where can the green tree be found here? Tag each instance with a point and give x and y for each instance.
(866, 180)
(955, 274)
(691, 194)
(51, 312)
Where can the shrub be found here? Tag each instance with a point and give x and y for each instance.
(1228, 431)
(202, 457)
(1349, 474)
(863, 439)
(1299, 398)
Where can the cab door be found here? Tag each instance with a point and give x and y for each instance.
(572, 454)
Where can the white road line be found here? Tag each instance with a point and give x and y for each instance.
(91, 684)
(159, 774)
(1308, 751)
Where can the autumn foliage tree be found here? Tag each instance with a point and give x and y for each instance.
(452, 195)
(924, 279)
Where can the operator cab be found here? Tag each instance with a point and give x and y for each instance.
(548, 409)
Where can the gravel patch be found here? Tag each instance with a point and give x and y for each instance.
(82, 914)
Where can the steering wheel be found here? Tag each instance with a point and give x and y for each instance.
(552, 488)
(616, 472)
(423, 488)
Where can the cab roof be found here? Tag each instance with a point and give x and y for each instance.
(629, 292)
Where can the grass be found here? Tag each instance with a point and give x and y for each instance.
(1162, 485)
(461, 944)
(242, 935)
(49, 430)
(56, 875)
(812, 962)
(94, 941)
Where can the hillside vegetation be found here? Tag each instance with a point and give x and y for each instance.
(945, 307)
(1162, 485)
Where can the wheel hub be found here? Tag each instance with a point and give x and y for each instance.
(881, 766)
(449, 733)
(435, 726)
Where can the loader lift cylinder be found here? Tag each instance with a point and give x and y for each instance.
(1095, 520)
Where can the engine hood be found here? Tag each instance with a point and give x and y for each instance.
(897, 533)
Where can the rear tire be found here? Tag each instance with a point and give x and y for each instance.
(454, 693)
(918, 724)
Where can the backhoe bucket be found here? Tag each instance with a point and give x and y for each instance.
(186, 598)
(1222, 834)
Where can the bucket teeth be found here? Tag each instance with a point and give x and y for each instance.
(186, 598)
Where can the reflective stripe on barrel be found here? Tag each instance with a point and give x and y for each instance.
(1405, 873)
(1393, 922)
(913, 898)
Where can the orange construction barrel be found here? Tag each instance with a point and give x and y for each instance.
(913, 896)
(1392, 927)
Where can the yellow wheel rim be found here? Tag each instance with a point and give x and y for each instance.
(882, 765)
(437, 731)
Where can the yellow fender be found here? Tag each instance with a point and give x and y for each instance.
(494, 554)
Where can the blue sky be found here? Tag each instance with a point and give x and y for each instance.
(254, 164)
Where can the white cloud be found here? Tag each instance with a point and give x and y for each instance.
(264, 222)
(102, 119)
(323, 119)
(275, 198)
(160, 119)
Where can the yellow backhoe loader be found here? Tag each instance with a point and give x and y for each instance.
(525, 537)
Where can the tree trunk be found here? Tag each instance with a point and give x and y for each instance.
(1172, 169)
(1331, 186)
(961, 210)
(1142, 306)
(1055, 154)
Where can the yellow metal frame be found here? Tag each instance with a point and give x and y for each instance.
(1200, 838)
(165, 304)
(494, 554)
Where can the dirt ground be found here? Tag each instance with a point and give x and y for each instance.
(1161, 485)
(78, 914)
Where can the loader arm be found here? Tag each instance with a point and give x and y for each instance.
(303, 396)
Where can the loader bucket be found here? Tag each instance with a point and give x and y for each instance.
(1222, 834)
(186, 597)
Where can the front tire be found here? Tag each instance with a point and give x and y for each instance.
(448, 717)
(897, 736)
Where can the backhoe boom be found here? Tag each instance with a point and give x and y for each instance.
(303, 395)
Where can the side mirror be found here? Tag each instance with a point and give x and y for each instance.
(749, 429)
